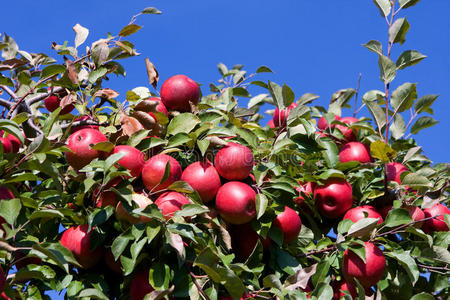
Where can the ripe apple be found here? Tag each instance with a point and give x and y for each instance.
(307, 188)
(159, 108)
(394, 170)
(346, 131)
(355, 151)
(340, 286)
(333, 198)
(142, 201)
(77, 240)
(244, 239)
(104, 199)
(280, 117)
(322, 124)
(368, 273)
(170, 202)
(290, 224)
(270, 124)
(2, 279)
(202, 177)
(177, 91)
(153, 172)
(113, 265)
(14, 141)
(235, 202)
(83, 118)
(364, 211)
(80, 142)
(52, 102)
(140, 285)
(133, 159)
(6, 143)
(438, 223)
(234, 161)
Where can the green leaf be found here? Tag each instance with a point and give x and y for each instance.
(190, 210)
(384, 6)
(403, 97)
(137, 137)
(261, 205)
(288, 95)
(323, 291)
(10, 209)
(344, 226)
(382, 151)
(184, 122)
(203, 145)
(52, 70)
(331, 153)
(264, 69)
(97, 74)
(159, 276)
(438, 253)
(258, 99)
(388, 69)
(321, 271)
(46, 213)
(422, 123)
(166, 172)
(407, 262)
(151, 10)
(92, 293)
(81, 34)
(181, 187)
(397, 217)
(22, 178)
(178, 139)
(374, 46)
(12, 128)
(119, 245)
(398, 127)
(398, 30)
(409, 58)
(277, 94)
(406, 4)
(103, 146)
(415, 180)
(377, 113)
(423, 103)
(363, 227)
(129, 30)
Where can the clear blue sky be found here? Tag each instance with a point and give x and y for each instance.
(312, 47)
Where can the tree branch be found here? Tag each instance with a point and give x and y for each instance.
(43, 96)
(9, 91)
(81, 123)
(5, 103)
(199, 288)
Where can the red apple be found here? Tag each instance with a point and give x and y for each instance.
(142, 201)
(235, 202)
(234, 161)
(2, 279)
(77, 240)
(244, 239)
(360, 212)
(14, 141)
(80, 142)
(83, 118)
(307, 188)
(290, 224)
(113, 265)
(280, 117)
(394, 170)
(346, 131)
(140, 285)
(177, 91)
(133, 159)
(202, 177)
(438, 223)
(355, 151)
(322, 124)
(3, 296)
(153, 172)
(5, 193)
(384, 211)
(6, 143)
(368, 273)
(104, 199)
(159, 108)
(270, 124)
(333, 198)
(170, 202)
(416, 214)
(52, 102)
(340, 286)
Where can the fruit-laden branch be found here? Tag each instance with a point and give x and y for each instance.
(43, 96)
(83, 122)
(399, 228)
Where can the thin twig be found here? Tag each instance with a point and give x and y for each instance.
(356, 95)
(5, 103)
(9, 91)
(199, 288)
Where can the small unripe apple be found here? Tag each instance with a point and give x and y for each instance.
(346, 131)
(140, 285)
(83, 118)
(170, 202)
(322, 124)
(153, 172)
(340, 286)
(354, 151)
(80, 142)
(104, 199)
(202, 177)
(364, 211)
(368, 273)
(52, 102)
(2, 279)
(113, 265)
(244, 239)
(438, 223)
(290, 224)
(307, 188)
(235, 202)
(333, 198)
(394, 170)
(234, 161)
(178, 91)
(159, 108)
(280, 117)
(142, 201)
(77, 240)
(133, 159)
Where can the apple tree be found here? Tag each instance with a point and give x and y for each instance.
(177, 192)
